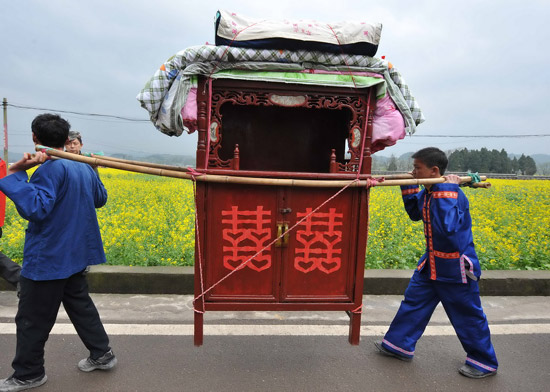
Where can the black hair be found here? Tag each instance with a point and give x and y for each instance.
(50, 130)
(432, 156)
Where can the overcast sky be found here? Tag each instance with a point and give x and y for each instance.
(475, 67)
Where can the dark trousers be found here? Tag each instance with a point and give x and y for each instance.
(9, 269)
(38, 307)
(463, 307)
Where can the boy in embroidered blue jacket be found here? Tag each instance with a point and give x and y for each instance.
(59, 201)
(447, 272)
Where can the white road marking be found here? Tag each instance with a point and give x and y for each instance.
(275, 330)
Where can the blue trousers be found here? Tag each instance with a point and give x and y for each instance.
(463, 307)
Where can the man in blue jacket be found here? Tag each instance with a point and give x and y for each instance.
(447, 272)
(59, 201)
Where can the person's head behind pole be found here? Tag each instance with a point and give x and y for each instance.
(74, 143)
(50, 130)
(429, 162)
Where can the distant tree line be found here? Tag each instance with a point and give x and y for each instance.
(494, 161)
(164, 159)
(463, 160)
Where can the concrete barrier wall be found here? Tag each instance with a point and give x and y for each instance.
(179, 280)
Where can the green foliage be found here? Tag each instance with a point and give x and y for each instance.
(392, 166)
(485, 161)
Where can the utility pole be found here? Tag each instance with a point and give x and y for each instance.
(5, 105)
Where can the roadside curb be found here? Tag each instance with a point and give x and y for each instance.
(494, 282)
(180, 280)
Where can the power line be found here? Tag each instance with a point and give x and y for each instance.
(78, 113)
(146, 121)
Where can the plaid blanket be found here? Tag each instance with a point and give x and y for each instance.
(167, 89)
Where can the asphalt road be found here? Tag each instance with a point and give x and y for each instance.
(284, 351)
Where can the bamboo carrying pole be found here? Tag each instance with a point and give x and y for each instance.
(430, 181)
(407, 176)
(140, 167)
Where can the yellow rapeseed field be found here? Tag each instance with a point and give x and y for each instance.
(150, 221)
(510, 223)
(147, 220)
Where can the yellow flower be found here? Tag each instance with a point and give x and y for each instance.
(150, 220)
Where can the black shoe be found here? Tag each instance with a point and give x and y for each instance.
(472, 372)
(105, 362)
(389, 353)
(13, 384)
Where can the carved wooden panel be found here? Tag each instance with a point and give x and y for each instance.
(317, 105)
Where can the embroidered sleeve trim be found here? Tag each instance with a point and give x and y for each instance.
(445, 195)
(411, 191)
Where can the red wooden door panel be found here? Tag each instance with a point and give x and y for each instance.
(319, 262)
(241, 220)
